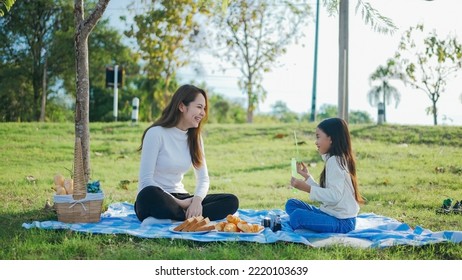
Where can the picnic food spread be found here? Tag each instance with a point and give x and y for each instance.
(195, 224)
(236, 224)
(232, 224)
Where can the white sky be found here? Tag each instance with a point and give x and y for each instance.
(292, 83)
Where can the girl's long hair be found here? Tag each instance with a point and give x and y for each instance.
(339, 133)
(171, 116)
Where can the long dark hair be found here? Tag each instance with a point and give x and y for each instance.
(171, 116)
(337, 130)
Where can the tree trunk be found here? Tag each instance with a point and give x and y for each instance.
(36, 86)
(83, 28)
(250, 98)
(82, 104)
(44, 91)
(384, 104)
(343, 60)
(435, 113)
(249, 115)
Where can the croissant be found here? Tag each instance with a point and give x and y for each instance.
(233, 219)
(235, 224)
(250, 228)
(230, 227)
(256, 228)
(219, 226)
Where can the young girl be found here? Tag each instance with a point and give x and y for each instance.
(169, 148)
(338, 189)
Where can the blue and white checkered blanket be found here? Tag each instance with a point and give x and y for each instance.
(371, 230)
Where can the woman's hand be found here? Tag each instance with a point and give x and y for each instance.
(195, 209)
(302, 170)
(184, 203)
(300, 184)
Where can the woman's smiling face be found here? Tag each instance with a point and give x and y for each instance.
(192, 114)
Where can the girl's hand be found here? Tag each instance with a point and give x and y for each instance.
(300, 184)
(195, 209)
(302, 170)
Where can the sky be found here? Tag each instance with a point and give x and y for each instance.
(292, 81)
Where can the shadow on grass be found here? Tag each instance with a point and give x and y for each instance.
(11, 224)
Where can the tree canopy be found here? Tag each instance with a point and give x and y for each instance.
(253, 35)
(428, 62)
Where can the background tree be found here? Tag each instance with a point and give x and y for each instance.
(26, 35)
(223, 109)
(253, 34)
(58, 77)
(327, 111)
(384, 92)
(163, 33)
(5, 6)
(83, 27)
(107, 49)
(330, 111)
(427, 63)
(362, 117)
(282, 113)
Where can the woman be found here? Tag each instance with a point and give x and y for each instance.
(169, 148)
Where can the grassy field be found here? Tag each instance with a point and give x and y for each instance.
(405, 172)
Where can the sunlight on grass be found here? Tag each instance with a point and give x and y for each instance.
(404, 172)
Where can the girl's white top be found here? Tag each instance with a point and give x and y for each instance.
(338, 197)
(165, 158)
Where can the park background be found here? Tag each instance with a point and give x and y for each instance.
(406, 170)
(288, 82)
(292, 81)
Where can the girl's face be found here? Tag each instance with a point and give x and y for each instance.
(192, 114)
(323, 141)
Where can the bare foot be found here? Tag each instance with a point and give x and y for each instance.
(184, 203)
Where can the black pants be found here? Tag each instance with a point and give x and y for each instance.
(154, 202)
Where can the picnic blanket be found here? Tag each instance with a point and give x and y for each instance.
(372, 231)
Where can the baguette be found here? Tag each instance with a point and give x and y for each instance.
(207, 227)
(193, 223)
(199, 224)
(184, 224)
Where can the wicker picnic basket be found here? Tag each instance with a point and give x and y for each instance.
(79, 207)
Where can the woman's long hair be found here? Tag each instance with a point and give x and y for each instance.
(339, 134)
(171, 116)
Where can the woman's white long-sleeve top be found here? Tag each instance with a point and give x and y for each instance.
(338, 197)
(165, 158)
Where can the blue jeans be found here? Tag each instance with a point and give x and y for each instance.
(305, 216)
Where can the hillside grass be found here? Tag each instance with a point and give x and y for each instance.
(404, 172)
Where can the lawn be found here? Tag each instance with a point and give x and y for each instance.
(404, 172)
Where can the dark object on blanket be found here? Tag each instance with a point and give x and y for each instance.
(266, 222)
(277, 226)
(273, 222)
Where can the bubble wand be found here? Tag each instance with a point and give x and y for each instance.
(294, 161)
(296, 144)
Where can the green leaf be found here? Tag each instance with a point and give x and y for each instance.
(5, 6)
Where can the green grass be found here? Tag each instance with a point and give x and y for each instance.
(404, 172)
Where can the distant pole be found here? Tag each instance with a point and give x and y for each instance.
(135, 108)
(315, 67)
(343, 61)
(116, 96)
